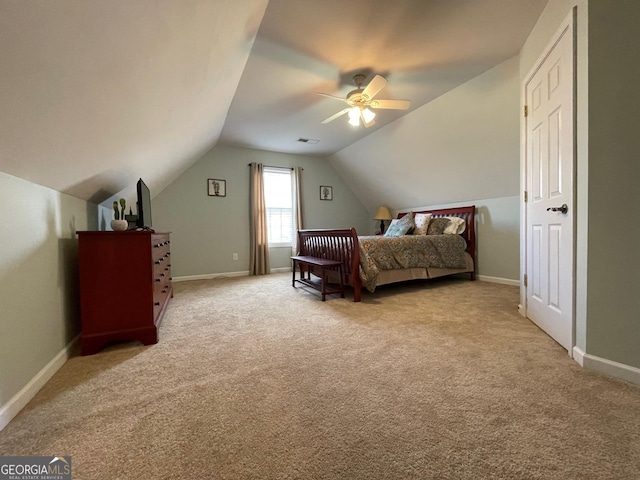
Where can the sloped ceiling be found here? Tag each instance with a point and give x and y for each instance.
(95, 93)
(424, 48)
(463, 146)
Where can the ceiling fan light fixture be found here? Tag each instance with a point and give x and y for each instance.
(360, 99)
(354, 116)
(368, 115)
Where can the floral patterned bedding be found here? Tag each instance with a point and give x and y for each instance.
(408, 251)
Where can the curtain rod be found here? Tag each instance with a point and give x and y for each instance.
(274, 166)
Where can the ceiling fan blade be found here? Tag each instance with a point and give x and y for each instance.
(331, 96)
(333, 117)
(391, 104)
(375, 85)
(364, 121)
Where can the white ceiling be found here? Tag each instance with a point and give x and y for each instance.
(95, 94)
(424, 48)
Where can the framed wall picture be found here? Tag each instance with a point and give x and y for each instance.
(216, 187)
(326, 192)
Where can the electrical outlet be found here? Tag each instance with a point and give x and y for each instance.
(235, 256)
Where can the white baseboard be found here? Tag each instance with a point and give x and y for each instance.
(281, 270)
(608, 367)
(9, 410)
(503, 281)
(210, 276)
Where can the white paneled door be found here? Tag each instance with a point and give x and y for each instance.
(549, 179)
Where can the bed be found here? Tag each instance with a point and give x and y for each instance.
(371, 261)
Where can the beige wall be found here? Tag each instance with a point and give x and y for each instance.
(39, 312)
(613, 302)
(208, 230)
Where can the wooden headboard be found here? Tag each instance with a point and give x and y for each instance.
(469, 234)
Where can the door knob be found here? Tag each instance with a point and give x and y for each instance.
(563, 209)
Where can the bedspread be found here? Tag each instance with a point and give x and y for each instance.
(408, 251)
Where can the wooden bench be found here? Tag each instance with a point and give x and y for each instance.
(339, 245)
(305, 263)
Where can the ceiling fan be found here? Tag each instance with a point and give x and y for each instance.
(360, 99)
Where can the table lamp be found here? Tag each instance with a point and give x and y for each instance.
(382, 214)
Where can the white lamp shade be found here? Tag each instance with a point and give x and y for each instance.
(368, 115)
(354, 116)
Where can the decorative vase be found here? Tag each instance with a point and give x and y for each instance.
(119, 225)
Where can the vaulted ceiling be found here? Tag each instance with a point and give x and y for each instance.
(95, 94)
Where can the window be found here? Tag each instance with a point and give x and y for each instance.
(278, 198)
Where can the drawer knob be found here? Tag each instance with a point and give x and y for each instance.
(157, 304)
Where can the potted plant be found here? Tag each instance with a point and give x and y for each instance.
(119, 224)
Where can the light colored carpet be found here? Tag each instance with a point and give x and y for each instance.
(253, 379)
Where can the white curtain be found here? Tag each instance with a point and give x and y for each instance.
(298, 218)
(259, 245)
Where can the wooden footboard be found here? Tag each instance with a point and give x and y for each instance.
(341, 245)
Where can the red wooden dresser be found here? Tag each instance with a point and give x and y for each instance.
(125, 286)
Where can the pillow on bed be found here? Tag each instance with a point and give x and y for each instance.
(396, 230)
(422, 223)
(401, 226)
(393, 222)
(456, 225)
(407, 220)
(437, 226)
